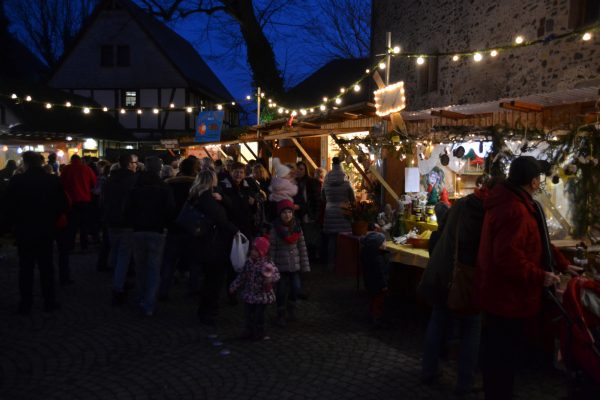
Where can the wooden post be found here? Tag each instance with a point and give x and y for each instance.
(207, 153)
(387, 187)
(250, 150)
(304, 153)
(352, 160)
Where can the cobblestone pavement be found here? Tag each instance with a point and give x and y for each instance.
(91, 350)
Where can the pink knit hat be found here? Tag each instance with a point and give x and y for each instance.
(285, 205)
(261, 245)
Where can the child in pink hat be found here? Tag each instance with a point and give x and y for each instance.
(256, 281)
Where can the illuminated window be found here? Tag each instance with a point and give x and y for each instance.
(130, 98)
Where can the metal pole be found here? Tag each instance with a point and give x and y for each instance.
(258, 106)
(388, 59)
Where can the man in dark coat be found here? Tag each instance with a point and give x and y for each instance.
(34, 201)
(113, 199)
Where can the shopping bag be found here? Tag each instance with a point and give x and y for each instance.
(239, 251)
(193, 221)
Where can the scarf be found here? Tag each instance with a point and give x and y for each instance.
(289, 233)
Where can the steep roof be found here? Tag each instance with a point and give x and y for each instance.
(327, 81)
(18, 62)
(176, 49)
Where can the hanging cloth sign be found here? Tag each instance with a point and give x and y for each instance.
(208, 126)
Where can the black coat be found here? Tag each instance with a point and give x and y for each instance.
(32, 204)
(180, 186)
(375, 265)
(115, 193)
(217, 247)
(150, 206)
(236, 202)
(308, 198)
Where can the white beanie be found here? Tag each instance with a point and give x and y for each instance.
(281, 170)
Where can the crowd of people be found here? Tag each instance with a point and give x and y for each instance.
(132, 210)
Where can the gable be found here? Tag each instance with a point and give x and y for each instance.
(149, 68)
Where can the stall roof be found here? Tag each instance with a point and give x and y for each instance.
(558, 98)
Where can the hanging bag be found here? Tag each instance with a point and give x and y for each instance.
(193, 221)
(460, 293)
(239, 251)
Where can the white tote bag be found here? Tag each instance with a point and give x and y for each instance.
(239, 251)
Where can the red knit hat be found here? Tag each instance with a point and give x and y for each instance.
(285, 205)
(261, 245)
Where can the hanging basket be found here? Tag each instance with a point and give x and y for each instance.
(359, 228)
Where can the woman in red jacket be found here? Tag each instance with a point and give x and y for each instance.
(516, 261)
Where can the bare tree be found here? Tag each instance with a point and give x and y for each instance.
(48, 26)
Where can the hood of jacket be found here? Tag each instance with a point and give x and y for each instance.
(504, 194)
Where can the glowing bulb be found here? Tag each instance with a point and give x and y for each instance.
(587, 36)
(155, 111)
(420, 61)
(381, 65)
(396, 49)
(188, 109)
(248, 97)
(294, 113)
(5, 148)
(342, 90)
(219, 107)
(86, 110)
(60, 153)
(139, 111)
(311, 110)
(494, 53)
(325, 99)
(367, 71)
(68, 104)
(322, 107)
(280, 110)
(48, 105)
(105, 109)
(13, 96)
(477, 57)
(233, 103)
(69, 138)
(28, 98)
(357, 88)
(262, 94)
(338, 101)
(122, 111)
(519, 39)
(455, 58)
(172, 105)
(303, 111)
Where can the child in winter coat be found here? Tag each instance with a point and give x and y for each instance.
(256, 281)
(375, 269)
(283, 184)
(288, 251)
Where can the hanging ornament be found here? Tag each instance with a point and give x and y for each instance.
(459, 152)
(555, 179)
(481, 147)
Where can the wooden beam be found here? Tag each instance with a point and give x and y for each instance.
(207, 153)
(352, 160)
(521, 106)
(387, 187)
(250, 150)
(304, 153)
(449, 114)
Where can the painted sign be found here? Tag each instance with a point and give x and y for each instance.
(208, 126)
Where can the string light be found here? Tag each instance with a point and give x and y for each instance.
(219, 107)
(48, 106)
(303, 111)
(171, 105)
(248, 97)
(494, 53)
(233, 103)
(280, 110)
(122, 111)
(139, 111)
(587, 36)
(381, 65)
(420, 60)
(338, 100)
(262, 94)
(477, 57)
(294, 113)
(68, 104)
(188, 109)
(28, 98)
(322, 107)
(396, 49)
(155, 111)
(342, 90)
(367, 71)
(13, 96)
(105, 109)
(357, 88)
(519, 39)
(325, 99)
(86, 110)
(455, 58)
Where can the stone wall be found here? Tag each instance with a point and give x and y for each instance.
(457, 25)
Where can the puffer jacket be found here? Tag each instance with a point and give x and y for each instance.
(336, 193)
(288, 257)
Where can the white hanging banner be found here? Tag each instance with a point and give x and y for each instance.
(390, 99)
(411, 180)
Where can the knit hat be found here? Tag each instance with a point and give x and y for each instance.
(261, 245)
(284, 205)
(373, 240)
(281, 170)
(523, 169)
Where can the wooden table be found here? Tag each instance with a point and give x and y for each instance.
(408, 255)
